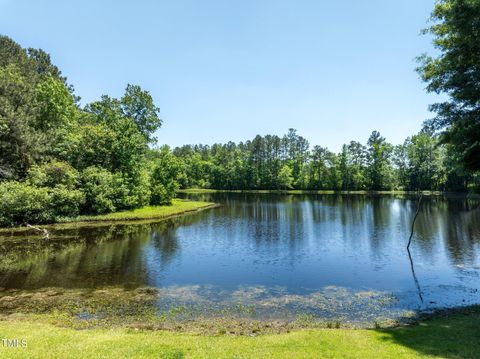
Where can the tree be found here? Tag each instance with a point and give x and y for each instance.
(357, 163)
(72, 160)
(455, 72)
(35, 105)
(138, 105)
(296, 153)
(285, 177)
(379, 168)
(164, 178)
(318, 176)
(18, 139)
(400, 161)
(425, 167)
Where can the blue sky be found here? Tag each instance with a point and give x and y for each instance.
(231, 69)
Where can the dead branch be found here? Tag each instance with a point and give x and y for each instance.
(414, 219)
(46, 235)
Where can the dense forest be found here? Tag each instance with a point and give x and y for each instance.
(288, 162)
(59, 159)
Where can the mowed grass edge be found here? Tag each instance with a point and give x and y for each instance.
(453, 336)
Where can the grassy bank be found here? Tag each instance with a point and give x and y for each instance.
(177, 207)
(453, 336)
(148, 213)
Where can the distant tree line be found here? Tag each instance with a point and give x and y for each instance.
(58, 159)
(288, 162)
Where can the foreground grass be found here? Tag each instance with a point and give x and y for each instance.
(454, 336)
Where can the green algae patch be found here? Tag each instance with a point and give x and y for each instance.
(163, 309)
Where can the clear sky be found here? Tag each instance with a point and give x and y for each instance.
(231, 69)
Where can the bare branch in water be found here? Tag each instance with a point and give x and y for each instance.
(414, 219)
(417, 283)
(46, 235)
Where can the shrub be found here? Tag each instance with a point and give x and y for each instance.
(164, 179)
(100, 188)
(52, 174)
(66, 202)
(21, 203)
(134, 191)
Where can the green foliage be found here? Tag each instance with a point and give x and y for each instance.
(21, 203)
(30, 86)
(18, 140)
(285, 178)
(56, 105)
(425, 168)
(139, 106)
(164, 184)
(61, 181)
(100, 187)
(421, 163)
(456, 73)
(83, 161)
(380, 172)
(65, 202)
(53, 173)
(136, 191)
(90, 144)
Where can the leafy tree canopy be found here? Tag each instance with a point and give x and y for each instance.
(455, 72)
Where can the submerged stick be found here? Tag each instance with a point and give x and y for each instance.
(46, 235)
(414, 219)
(417, 283)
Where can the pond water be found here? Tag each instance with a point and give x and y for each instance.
(330, 256)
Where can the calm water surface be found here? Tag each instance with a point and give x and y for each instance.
(328, 255)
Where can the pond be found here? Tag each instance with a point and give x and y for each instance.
(280, 256)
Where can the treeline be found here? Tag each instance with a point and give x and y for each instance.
(58, 159)
(288, 162)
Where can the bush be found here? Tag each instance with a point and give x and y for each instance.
(100, 187)
(66, 202)
(164, 180)
(21, 203)
(135, 191)
(108, 192)
(52, 174)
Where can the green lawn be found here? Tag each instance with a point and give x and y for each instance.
(456, 336)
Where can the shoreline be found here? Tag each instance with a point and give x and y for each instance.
(332, 192)
(447, 335)
(113, 307)
(179, 207)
